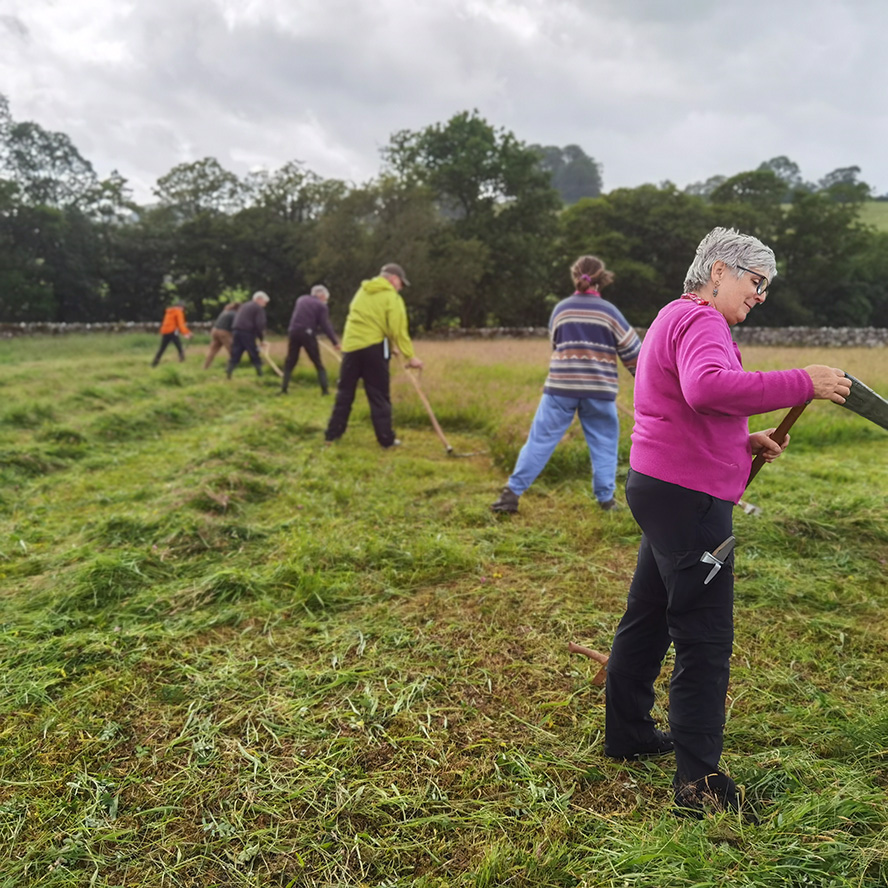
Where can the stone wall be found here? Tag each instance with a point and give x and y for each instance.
(7, 331)
(860, 337)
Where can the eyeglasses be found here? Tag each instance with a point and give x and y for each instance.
(762, 286)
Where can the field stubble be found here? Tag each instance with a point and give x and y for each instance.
(232, 656)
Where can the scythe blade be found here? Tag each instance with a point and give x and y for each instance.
(863, 401)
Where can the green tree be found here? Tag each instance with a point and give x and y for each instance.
(25, 293)
(820, 256)
(751, 202)
(274, 239)
(705, 189)
(573, 174)
(46, 167)
(490, 188)
(872, 266)
(842, 185)
(389, 220)
(293, 193)
(203, 186)
(788, 172)
(646, 235)
(200, 267)
(139, 255)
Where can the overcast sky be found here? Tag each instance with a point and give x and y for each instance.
(654, 90)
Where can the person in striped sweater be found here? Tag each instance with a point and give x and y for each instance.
(588, 334)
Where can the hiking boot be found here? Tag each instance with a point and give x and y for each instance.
(710, 794)
(611, 506)
(507, 502)
(660, 744)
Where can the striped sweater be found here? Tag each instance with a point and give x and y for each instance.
(588, 333)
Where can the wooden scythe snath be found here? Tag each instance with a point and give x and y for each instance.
(266, 353)
(861, 400)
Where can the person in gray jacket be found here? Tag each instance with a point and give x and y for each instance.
(249, 326)
(310, 316)
(221, 335)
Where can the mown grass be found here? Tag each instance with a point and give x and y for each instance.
(232, 656)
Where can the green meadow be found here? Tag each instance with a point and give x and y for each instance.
(875, 213)
(232, 656)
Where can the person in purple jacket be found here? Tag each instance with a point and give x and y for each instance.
(310, 316)
(248, 327)
(689, 462)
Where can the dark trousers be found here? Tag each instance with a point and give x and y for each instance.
(165, 340)
(669, 602)
(372, 365)
(243, 341)
(303, 337)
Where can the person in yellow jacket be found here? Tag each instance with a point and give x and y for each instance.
(376, 325)
(172, 325)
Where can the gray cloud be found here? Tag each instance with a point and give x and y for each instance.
(653, 91)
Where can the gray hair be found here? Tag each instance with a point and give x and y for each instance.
(732, 248)
(261, 296)
(320, 290)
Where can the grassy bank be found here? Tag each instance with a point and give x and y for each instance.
(232, 656)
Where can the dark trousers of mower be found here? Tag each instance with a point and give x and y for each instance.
(242, 341)
(372, 365)
(669, 602)
(303, 337)
(165, 340)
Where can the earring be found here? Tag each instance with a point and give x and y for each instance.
(715, 291)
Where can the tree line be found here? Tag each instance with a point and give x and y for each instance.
(486, 225)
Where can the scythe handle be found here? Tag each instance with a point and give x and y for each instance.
(777, 435)
(425, 402)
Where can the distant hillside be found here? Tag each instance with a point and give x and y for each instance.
(875, 212)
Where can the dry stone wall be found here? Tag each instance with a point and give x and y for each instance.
(859, 337)
(47, 329)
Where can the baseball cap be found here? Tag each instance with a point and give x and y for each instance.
(394, 268)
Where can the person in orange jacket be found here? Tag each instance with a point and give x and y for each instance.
(172, 325)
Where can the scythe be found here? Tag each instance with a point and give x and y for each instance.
(861, 400)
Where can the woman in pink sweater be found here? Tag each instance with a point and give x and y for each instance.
(689, 462)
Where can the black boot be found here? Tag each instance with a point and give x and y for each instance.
(322, 379)
(285, 382)
(712, 793)
(660, 743)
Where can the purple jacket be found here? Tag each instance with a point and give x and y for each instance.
(693, 399)
(312, 314)
(250, 318)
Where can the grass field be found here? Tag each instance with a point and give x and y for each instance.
(234, 657)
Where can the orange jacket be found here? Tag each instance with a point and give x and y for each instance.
(173, 320)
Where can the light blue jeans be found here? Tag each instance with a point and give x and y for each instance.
(601, 428)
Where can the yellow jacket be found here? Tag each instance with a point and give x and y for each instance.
(377, 312)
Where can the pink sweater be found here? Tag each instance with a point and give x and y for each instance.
(693, 399)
